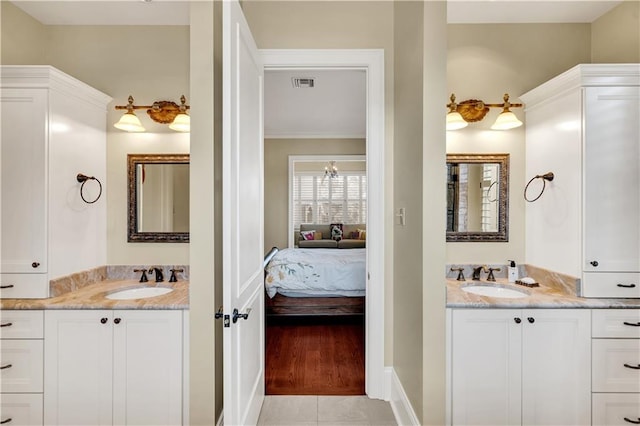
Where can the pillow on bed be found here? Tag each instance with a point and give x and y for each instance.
(336, 231)
(362, 234)
(307, 235)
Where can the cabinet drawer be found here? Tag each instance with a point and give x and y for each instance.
(616, 323)
(22, 365)
(24, 286)
(611, 409)
(19, 324)
(23, 409)
(608, 368)
(611, 284)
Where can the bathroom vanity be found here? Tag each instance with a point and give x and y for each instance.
(82, 358)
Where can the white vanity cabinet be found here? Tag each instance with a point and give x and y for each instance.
(53, 127)
(113, 367)
(513, 366)
(583, 127)
(21, 366)
(616, 366)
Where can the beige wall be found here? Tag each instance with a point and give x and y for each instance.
(407, 182)
(149, 62)
(23, 39)
(276, 179)
(484, 62)
(615, 36)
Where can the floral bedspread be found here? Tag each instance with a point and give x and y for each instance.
(317, 272)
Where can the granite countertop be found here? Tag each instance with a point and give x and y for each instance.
(93, 297)
(548, 295)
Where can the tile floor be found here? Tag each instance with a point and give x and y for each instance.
(325, 410)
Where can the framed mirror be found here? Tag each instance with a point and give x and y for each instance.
(158, 198)
(477, 197)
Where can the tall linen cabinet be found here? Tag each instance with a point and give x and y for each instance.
(53, 127)
(583, 126)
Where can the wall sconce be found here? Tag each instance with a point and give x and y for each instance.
(165, 112)
(472, 110)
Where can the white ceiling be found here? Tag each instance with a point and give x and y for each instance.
(336, 106)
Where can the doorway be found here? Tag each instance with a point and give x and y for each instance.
(372, 62)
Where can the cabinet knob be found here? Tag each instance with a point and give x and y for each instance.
(531, 320)
(117, 320)
(594, 263)
(103, 320)
(517, 320)
(35, 264)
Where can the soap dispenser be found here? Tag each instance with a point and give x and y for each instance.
(512, 271)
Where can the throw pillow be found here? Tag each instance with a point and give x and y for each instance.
(317, 236)
(336, 231)
(362, 234)
(307, 235)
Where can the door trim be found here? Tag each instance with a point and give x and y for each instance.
(372, 62)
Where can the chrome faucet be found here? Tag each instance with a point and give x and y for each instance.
(158, 272)
(476, 272)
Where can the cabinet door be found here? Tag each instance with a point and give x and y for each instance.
(24, 207)
(78, 367)
(556, 364)
(611, 179)
(486, 365)
(147, 368)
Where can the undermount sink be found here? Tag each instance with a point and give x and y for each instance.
(138, 293)
(495, 291)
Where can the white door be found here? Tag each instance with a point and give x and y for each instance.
(243, 274)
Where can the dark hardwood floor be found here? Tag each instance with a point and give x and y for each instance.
(315, 356)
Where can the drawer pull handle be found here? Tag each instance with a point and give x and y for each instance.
(6, 366)
(636, 367)
(9, 324)
(517, 320)
(635, 422)
(5, 421)
(632, 324)
(103, 320)
(627, 285)
(7, 286)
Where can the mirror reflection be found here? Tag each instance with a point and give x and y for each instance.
(158, 197)
(477, 188)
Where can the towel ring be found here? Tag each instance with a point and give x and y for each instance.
(83, 179)
(489, 192)
(545, 177)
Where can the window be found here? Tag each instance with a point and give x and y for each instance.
(323, 200)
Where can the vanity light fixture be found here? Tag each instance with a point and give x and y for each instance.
(164, 112)
(472, 110)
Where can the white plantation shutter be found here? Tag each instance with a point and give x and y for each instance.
(324, 200)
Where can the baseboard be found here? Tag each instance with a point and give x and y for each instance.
(395, 394)
(220, 421)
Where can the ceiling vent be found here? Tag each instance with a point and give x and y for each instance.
(303, 82)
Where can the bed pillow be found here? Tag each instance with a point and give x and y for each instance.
(336, 231)
(307, 235)
(362, 234)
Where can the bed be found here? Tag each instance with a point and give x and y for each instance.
(311, 282)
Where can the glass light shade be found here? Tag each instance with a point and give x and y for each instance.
(129, 123)
(182, 123)
(455, 121)
(506, 120)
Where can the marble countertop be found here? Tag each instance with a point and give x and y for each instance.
(539, 297)
(93, 297)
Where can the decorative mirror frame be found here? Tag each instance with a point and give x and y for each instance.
(502, 235)
(133, 235)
